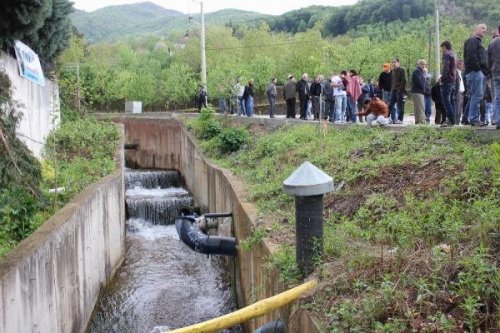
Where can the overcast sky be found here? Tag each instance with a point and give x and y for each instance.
(274, 7)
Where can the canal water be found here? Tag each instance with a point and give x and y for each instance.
(162, 283)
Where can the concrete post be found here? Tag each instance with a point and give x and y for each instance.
(308, 184)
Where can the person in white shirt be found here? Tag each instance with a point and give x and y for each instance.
(459, 101)
(239, 90)
(340, 97)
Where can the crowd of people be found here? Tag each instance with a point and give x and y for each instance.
(466, 91)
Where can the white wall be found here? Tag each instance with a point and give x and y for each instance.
(41, 105)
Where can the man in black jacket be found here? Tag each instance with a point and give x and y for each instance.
(304, 95)
(476, 70)
(448, 82)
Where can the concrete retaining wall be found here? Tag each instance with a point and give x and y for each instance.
(51, 281)
(216, 190)
(40, 105)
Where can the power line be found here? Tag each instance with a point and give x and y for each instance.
(261, 46)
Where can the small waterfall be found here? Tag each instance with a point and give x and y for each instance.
(155, 196)
(162, 283)
(152, 179)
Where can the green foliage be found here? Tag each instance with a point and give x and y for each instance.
(374, 11)
(18, 209)
(82, 139)
(20, 174)
(79, 153)
(233, 139)
(283, 260)
(412, 197)
(17, 163)
(254, 239)
(43, 25)
(206, 126)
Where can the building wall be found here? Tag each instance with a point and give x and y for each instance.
(40, 105)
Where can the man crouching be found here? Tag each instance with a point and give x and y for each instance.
(375, 110)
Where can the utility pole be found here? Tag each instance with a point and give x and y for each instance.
(438, 55)
(202, 36)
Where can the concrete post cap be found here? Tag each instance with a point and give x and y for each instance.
(308, 180)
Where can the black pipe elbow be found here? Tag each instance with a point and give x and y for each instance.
(190, 235)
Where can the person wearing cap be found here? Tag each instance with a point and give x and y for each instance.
(289, 94)
(494, 66)
(384, 83)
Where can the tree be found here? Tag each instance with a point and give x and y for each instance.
(44, 25)
(21, 18)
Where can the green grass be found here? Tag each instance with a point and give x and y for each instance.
(412, 240)
(78, 154)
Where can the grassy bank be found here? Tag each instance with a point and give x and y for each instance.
(76, 155)
(412, 234)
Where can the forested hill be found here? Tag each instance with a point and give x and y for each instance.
(115, 22)
(339, 20)
(112, 22)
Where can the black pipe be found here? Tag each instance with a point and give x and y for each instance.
(131, 146)
(215, 215)
(202, 243)
(277, 326)
(308, 231)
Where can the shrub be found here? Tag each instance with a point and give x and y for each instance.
(232, 139)
(85, 138)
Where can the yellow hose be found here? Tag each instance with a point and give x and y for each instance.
(252, 311)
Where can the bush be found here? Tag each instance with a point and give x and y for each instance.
(232, 139)
(18, 209)
(85, 138)
(79, 153)
(206, 126)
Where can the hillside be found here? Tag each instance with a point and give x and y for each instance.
(115, 22)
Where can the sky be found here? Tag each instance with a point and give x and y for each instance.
(273, 7)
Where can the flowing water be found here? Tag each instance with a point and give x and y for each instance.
(162, 284)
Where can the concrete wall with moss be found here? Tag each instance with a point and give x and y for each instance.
(51, 281)
(166, 144)
(39, 105)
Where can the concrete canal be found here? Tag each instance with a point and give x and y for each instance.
(162, 283)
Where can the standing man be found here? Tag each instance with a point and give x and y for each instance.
(271, 97)
(419, 88)
(476, 70)
(304, 95)
(384, 83)
(328, 97)
(494, 66)
(289, 93)
(448, 82)
(315, 91)
(398, 91)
